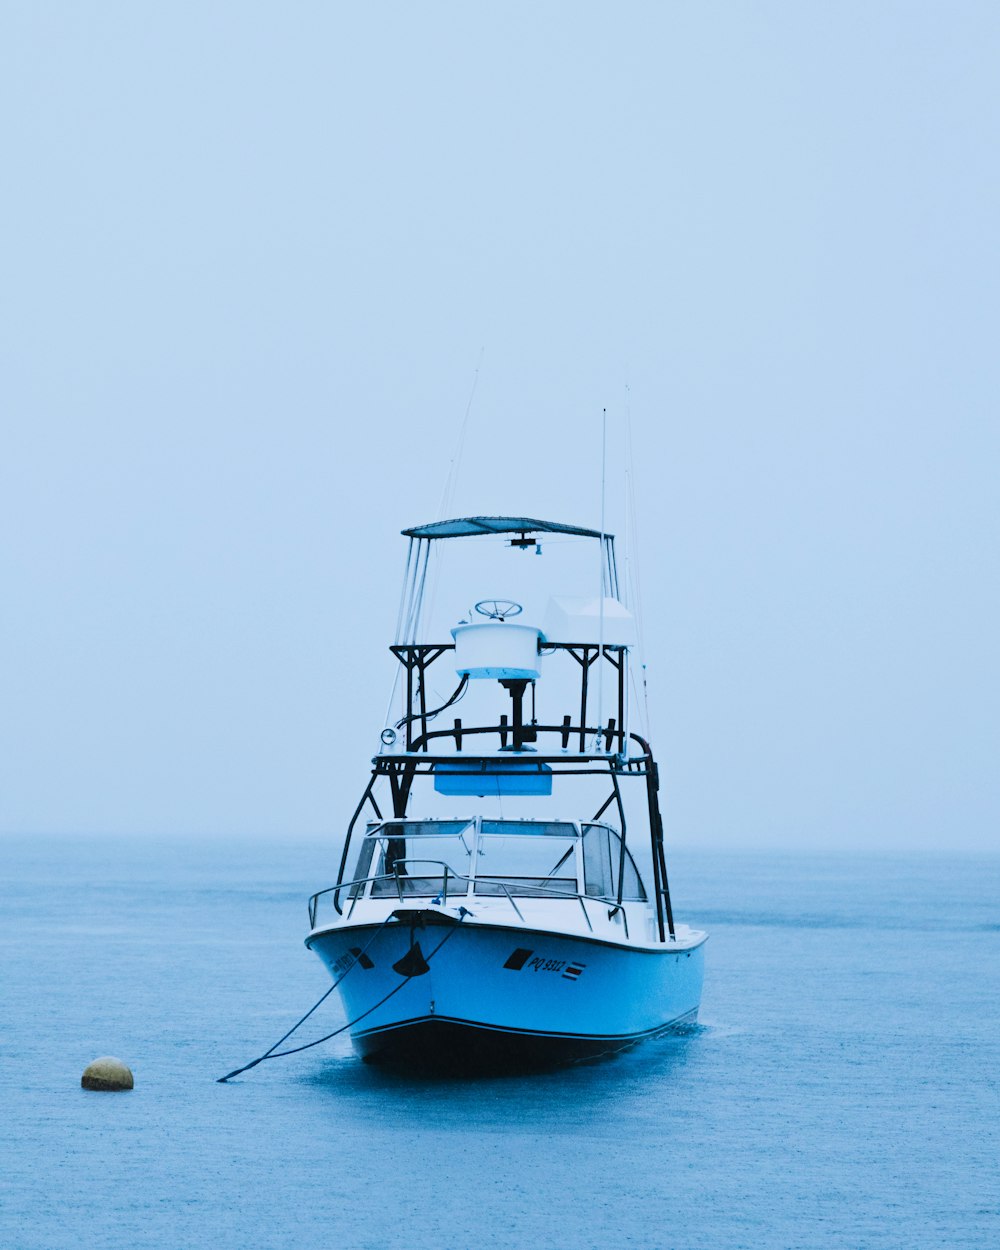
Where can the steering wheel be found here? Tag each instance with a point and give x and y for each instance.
(498, 609)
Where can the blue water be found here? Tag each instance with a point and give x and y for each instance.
(841, 1091)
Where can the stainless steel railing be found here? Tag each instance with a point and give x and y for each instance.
(399, 878)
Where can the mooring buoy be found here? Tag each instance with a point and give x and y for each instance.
(107, 1073)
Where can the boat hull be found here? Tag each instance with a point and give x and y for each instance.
(472, 995)
(439, 1045)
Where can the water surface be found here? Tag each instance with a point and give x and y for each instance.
(841, 1090)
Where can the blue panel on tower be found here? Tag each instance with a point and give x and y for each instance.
(493, 778)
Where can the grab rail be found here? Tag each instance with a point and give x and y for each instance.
(398, 877)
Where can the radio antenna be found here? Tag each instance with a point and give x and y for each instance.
(451, 485)
(602, 550)
(454, 469)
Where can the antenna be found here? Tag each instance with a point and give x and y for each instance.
(627, 599)
(602, 553)
(626, 656)
(633, 582)
(451, 484)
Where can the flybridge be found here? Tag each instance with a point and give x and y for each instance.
(494, 643)
(515, 752)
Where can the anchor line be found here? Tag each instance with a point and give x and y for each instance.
(268, 1054)
(274, 1053)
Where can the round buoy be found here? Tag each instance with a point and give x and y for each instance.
(107, 1073)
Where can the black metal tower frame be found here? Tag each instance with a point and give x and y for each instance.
(400, 769)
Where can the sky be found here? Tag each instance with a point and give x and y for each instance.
(255, 257)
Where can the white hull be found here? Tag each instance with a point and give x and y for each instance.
(476, 934)
(481, 990)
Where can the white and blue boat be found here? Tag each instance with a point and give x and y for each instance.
(489, 909)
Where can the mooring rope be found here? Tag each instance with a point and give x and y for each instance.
(274, 1053)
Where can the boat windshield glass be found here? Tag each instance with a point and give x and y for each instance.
(534, 859)
(527, 858)
(534, 828)
(410, 857)
(602, 857)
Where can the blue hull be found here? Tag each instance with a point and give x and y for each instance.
(478, 995)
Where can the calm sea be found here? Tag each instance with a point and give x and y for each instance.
(841, 1091)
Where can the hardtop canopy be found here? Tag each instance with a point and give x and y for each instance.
(470, 526)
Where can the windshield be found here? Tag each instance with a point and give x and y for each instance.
(525, 858)
(530, 828)
(536, 859)
(411, 856)
(602, 858)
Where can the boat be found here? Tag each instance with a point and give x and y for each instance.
(489, 910)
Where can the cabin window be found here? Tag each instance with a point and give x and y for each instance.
(601, 859)
(530, 828)
(363, 865)
(525, 858)
(413, 857)
(533, 859)
(597, 861)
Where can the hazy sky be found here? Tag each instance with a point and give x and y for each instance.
(250, 257)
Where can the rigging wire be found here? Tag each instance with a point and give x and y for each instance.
(416, 591)
(603, 556)
(461, 690)
(402, 597)
(626, 549)
(274, 1053)
(269, 1054)
(398, 637)
(405, 622)
(411, 603)
(633, 578)
(451, 481)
